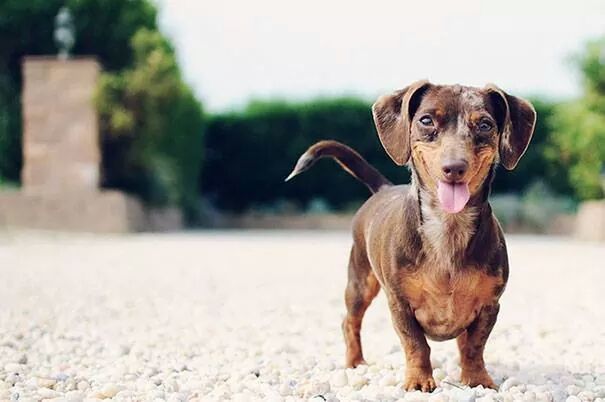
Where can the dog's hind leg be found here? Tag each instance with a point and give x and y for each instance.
(362, 288)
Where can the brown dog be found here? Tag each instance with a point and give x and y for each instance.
(434, 246)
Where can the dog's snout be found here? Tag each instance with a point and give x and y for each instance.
(454, 170)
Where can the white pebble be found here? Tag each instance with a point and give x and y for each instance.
(74, 396)
(46, 382)
(439, 374)
(339, 379)
(83, 385)
(388, 380)
(110, 390)
(416, 396)
(284, 389)
(356, 381)
(509, 383)
(573, 389)
(47, 393)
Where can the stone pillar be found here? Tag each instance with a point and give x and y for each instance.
(60, 138)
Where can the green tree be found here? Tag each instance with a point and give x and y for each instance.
(578, 140)
(151, 126)
(103, 28)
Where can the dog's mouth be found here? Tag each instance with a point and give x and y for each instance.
(453, 197)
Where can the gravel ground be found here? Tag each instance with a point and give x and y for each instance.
(256, 316)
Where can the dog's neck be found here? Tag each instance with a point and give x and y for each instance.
(446, 237)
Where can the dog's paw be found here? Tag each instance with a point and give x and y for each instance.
(354, 362)
(477, 377)
(418, 380)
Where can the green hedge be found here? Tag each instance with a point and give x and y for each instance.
(249, 153)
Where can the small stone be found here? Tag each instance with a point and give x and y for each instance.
(12, 379)
(284, 389)
(599, 391)
(508, 384)
(573, 399)
(588, 378)
(339, 379)
(75, 396)
(321, 388)
(416, 396)
(529, 396)
(22, 360)
(83, 385)
(573, 389)
(46, 382)
(124, 394)
(110, 390)
(47, 393)
(544, 396)
(441, 397)
(61, 377)
(586, 395)
(177, 397)
(465, 395)
(356, 381)
(439, 374)
(388, 380)
(14, 368)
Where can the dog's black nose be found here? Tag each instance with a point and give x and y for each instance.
(454, 170)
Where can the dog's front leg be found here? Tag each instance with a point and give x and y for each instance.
(418, 371)
(471, 344)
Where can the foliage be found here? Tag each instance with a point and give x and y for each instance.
(103, 29)
(151, 122)
(249, 153)
(151, 126)
(578, 140)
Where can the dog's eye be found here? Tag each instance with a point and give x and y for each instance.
(426, 121)
(485, 126)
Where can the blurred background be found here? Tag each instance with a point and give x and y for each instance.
(202, 108)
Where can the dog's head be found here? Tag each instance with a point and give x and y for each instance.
(452, 135)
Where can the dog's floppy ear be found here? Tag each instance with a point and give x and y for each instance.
(516, 121)
(392, 116)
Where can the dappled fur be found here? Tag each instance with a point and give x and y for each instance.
(442, 273)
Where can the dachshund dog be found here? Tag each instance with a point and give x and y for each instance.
(434, 246)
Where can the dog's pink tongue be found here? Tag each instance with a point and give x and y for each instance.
(453, 197)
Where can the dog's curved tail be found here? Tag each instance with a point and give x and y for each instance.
(347, 158)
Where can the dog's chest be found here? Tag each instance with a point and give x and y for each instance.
(445, 304)
(446, 236)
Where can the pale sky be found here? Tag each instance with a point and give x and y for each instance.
(233, 51)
